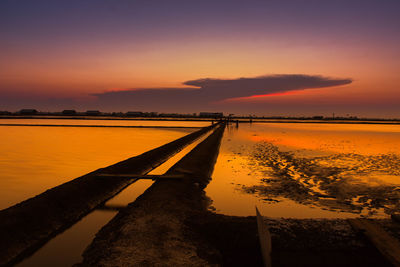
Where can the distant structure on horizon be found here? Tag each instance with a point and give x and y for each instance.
(134, 114)
(203, 115)
(211, 115)
(93, 112)
(69, 112)
(28, 111)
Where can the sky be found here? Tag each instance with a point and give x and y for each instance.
(272, 58)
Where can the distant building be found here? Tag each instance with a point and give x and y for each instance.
(117, 114)
(152, 114)
(3, 112)
(93, 112)
(28, 111)
(170, 115)
(211, 115)
(318, 117)
(134, 114)
(69, 112)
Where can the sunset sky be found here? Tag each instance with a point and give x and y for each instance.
(295, 57)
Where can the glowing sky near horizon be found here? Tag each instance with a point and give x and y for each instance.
(56, 50)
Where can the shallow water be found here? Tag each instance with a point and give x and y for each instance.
(66, 248)
(113, 122)
(308, 170)
(287, 170)
(34, 159)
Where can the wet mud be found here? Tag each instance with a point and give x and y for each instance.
(171, 224)
(295, 242)
(152, 231)
(368, 185)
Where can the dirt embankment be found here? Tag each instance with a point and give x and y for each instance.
(29, 224)
(295, 242)
(169, 225)
(152, 231)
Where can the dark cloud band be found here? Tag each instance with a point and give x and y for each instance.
(206, 91)
(200, 94)
(264, 85)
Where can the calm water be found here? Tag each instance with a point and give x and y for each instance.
(287, 170)
(34, 159)
(116, 144)
(122, 122)
(308, 170)
(321, 163)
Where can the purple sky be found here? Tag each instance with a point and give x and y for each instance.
(72, 54)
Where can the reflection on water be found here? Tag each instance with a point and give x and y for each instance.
(308, 170)
(287, 170)
(34, 159)
(122, 122)
(67, 251)
(338, 182)
(66, 248)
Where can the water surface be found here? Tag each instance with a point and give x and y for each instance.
(287, 170)
(308, 170)
(113, 122)
(34, 159)
(66, 248)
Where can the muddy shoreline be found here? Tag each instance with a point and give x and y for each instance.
(295, 242)
(170, 225)
(211, 239)
(233, 241)
(25, 227)
(152, 231)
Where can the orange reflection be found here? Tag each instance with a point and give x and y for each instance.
(34, 159)
(330, 138)
(288, 170)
